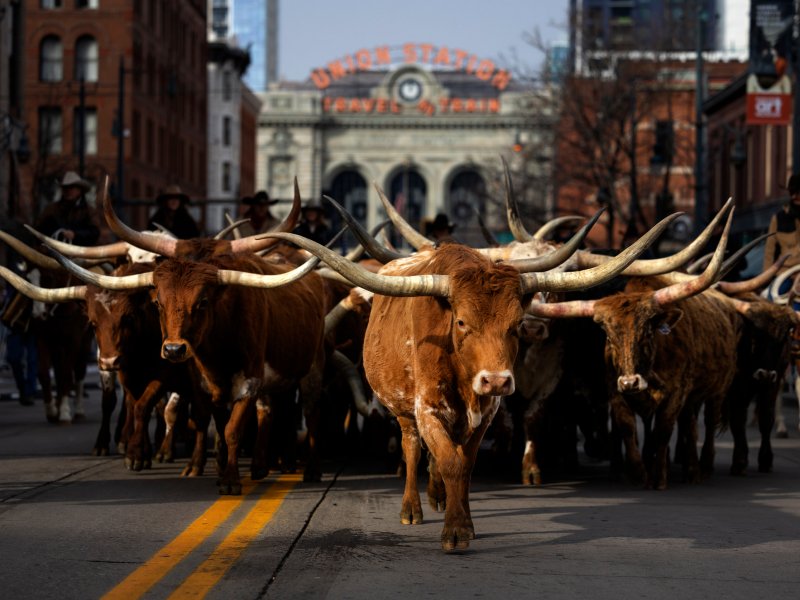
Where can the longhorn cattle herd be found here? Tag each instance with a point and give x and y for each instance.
(248, 331)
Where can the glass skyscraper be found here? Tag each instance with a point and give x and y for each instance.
(253, 30)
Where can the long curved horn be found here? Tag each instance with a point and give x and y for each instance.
(699, 264)
(345, 366)
(109, 282)
(356, 252)
(40, 294)
(554, 224)
(775, 288)
(375, 250)
(560, 310)
(237, 235)
(512, 209)
(411, 235)
(559, 255)
(256, 243)
(685, 289)
(31, 255)
(580, 280)
(658, 266)
(259, 280)
(232, 226)
(754, 283)
(157, 244)
(113, 250)
(388, 285)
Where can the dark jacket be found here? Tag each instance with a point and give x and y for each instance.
(180, 223)
(77, 216)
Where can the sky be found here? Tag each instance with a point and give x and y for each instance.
(315, 32)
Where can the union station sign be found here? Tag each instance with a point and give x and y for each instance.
(410, 92)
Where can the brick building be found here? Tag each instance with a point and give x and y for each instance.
(162, 48)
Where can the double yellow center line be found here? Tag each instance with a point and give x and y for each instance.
(208, 574)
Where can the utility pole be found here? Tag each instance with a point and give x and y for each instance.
(700, 201)
(121, 136)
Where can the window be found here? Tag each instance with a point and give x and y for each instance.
(51, 55)
(87, 3)
(50, 4)
(89, 131)
(86, 58)
(226, 176)
(50, 127)
(226, 131)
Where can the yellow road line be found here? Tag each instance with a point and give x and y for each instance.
(142, 579)
(208, 574)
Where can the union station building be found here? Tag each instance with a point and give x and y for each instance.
(426, 123)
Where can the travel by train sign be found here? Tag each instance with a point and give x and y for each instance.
(409, 93)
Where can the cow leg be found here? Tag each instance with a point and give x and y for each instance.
(126, 426)
(767, 399)
(138, 453)
(686, 448)
(50, 406)
(437, 494)
(165, 450)
(455, 463)
(246, 392)
(662, 432)
(411, 508)
(108, 381)
(531, 474)
(738, 425)
(161, 427)
(625, 421)
(259, 466)
(221, 417)
(310, 393)
(711, 418)
(80, 362)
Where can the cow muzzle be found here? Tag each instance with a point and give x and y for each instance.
(631, 384)
(765, 376)
(108, 363)
(493, 383)
(174, 352)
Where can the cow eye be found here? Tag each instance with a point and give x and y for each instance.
(202, 304)
(460, 323)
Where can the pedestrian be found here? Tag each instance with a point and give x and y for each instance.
(313, 225)
(440, 230)
(16, 315)
(785, 225)
(70, 219)
(258, 211)
(173, 215)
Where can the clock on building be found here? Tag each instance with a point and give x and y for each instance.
(409, 90)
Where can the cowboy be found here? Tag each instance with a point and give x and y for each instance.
(440, 229)
(313, 225)
(172, 214)
(258, 211)
(71, 219)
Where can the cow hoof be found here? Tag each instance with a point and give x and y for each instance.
(100, 451)
(456, 538)
(230, 489)
(121, 448)
(128, 464)
(532, 477)
(258, 472)
(137, 465)
(782, 433)
(147, 464)
(766, 468)
(411, 515)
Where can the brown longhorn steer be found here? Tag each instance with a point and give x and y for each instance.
(439, 353)
(668, 350)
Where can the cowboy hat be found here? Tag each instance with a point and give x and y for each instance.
(313, 204)
(172, 191)
(261, 197)
(71, 178)
(440, 222)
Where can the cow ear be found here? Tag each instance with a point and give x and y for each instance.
(668, 321)
(533, 330)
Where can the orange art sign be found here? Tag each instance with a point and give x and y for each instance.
(437, 56)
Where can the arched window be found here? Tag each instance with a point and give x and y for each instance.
(408, 193)
(466, 197)
(51, 56)
(86, 58)
(349, 189)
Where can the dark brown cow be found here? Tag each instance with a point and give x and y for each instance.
(669, 349)
(439, 353)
